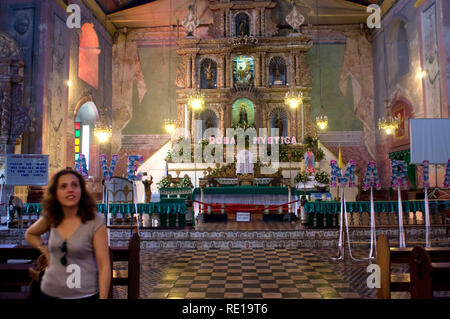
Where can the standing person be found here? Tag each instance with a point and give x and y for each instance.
(77, 253)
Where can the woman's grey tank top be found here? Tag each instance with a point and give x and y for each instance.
(80, 277)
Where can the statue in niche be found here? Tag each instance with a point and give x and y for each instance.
(279, 123)
(277, 79)
(243, 28)
(209, 75)
(209, 123)
(243, 119)
(22, 23)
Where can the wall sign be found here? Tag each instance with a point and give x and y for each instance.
(26, 169)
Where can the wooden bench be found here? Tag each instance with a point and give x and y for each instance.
(130, 277)
(427, 276)
(14, 276)
(386, 256)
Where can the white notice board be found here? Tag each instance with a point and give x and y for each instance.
(26, 169)
(242, 217)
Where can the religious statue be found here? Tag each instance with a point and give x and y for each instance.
(279, 124)
(277, 79)
(243, 28)
(209, 75)
(309, 161)
(209, 123)
(148, 190)
(243, 115)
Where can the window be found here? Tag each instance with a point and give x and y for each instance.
(85, 121)
(88, 55)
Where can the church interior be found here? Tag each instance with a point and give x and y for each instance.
(264, 149)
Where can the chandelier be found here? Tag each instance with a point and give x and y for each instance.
(170, 125)
(322, 121)
(103, 132)
(293, 98)
(388, 123)
(196, 99)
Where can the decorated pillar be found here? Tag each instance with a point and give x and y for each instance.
(257, 69)
(263, 69)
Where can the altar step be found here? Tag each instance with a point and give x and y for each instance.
(308, 238)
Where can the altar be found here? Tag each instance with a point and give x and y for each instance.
(253, 199)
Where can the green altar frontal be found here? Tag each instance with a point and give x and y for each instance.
(165, 210)
(246, 190)
(331, 209)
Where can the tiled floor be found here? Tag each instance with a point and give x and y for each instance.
(249, 273)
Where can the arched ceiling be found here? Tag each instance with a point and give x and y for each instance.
(157, 13)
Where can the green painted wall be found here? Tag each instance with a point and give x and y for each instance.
(336, 106)
(159, 66)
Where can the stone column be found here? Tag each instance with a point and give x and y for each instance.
(263, 22)
(188, 71)
(229, 78)
(221, 73)
(258, 69)
(292, 69)
(297, 69)
(227, 22)
(193, 73)
(263, 69)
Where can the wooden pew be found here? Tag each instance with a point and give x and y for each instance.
(130, 277)
(386, 256)
(427, 276)
(13, 276)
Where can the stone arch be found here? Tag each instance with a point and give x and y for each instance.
(88, 55)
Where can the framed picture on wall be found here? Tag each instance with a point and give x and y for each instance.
(399, 112)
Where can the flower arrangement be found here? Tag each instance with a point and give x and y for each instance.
(302, 177)
(322, 177)
(186, 182)
(164, 183)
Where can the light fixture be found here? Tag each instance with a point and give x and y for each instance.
(387, 122)
(293, 98)
(69, 83)
(420, 73)
(196, 99)
(322, 121)
(103, 132)
(169, 125)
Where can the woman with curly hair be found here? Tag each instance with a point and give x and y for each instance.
(77, 253)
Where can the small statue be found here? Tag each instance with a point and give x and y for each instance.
(243, 28)
(279, 124)
(209, 75)
(148, 189)
(309, 161)
(209, 123)
(243, 115)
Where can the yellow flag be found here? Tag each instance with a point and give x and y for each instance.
(340, 159)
